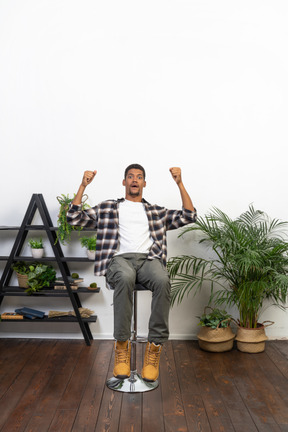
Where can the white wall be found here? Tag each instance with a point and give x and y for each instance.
(100, 85)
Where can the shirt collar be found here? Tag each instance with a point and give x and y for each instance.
(123, 199)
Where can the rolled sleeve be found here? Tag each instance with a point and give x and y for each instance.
(178, 219)
(189, 215)
(85, 218)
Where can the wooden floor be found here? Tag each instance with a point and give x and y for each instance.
(59, 385)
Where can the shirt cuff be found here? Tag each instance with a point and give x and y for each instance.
(189, 214)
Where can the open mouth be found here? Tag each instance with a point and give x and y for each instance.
(134, 189)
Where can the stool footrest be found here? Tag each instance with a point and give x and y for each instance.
(139, 339)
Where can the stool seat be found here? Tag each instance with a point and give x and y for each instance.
(135, 383)
(139, 287)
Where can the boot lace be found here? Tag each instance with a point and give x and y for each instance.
(153, 358)
(122, 356)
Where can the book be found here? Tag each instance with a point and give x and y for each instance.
(60, 280)
(30, 313)
(63, 287)
(11, 316)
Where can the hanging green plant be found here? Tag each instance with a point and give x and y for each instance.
(64, 229)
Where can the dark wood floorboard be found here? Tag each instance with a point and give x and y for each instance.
(60, 386)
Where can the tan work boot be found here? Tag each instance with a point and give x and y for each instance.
(150, 371)
(122, 359)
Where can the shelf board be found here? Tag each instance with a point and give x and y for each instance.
(18, 292)
(9, 228)
(70, 319)
(39, 228)
(47, 259)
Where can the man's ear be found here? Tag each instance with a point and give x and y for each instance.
(124, 182)
(144, 184)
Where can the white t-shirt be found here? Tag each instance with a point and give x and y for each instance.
(134, 234)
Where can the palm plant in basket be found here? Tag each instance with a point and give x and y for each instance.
(249, 266)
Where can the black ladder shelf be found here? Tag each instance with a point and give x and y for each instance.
(37, 203)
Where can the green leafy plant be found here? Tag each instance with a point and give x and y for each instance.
(216, 318)
(39, 275)
(63, 233)
(36, 244)
(21, 267)
(249, 265)
(88, 242)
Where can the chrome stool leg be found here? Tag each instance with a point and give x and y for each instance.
(135, 383)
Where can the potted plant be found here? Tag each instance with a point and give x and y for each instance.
(90, 244)
(37, 248)
(63, 233)
(248, 268)
(21, 269)
(38, 275)
(215, 334)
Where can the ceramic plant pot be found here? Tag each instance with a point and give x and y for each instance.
(37, 253)
(91, 254)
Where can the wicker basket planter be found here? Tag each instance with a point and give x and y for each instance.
(22, 280)
(252, 340)
(216, 340)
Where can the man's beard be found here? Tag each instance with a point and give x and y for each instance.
(134, 193)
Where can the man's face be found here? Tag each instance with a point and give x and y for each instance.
(134, 184)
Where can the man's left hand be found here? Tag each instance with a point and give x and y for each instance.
(176, 174)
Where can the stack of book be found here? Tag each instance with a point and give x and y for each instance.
(60, 284)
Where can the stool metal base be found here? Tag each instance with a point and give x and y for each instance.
(133, 384)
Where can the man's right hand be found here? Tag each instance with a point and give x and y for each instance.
(88, 177)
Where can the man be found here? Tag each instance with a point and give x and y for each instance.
(132, 246)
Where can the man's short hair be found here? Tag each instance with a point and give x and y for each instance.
(134, 166)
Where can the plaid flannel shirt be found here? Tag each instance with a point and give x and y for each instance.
(104, 217)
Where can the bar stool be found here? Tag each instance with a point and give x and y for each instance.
(135, 383)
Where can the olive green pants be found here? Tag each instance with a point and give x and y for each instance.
(123, 272)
